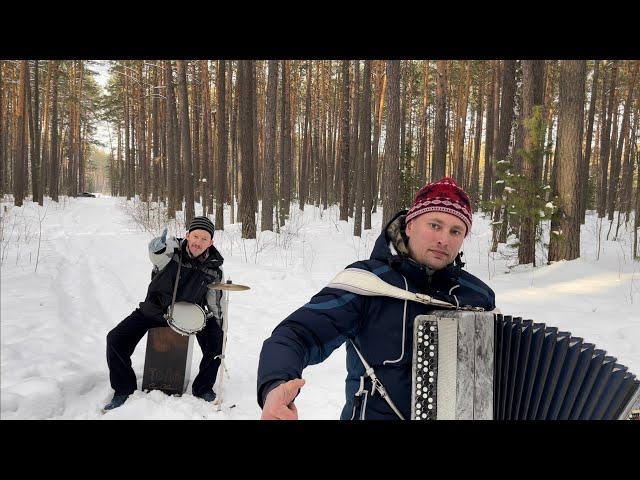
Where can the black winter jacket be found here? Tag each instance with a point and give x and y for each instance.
(195, 275)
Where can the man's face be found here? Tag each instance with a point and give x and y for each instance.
(435, 238)
(198, 241)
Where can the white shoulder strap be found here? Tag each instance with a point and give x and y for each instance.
(363, 282)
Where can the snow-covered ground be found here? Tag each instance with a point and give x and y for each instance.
(65, 286)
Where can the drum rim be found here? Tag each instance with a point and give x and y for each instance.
(176, 328)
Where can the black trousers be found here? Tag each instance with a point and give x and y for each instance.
(122, 341)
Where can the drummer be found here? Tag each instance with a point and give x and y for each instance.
(201, 265)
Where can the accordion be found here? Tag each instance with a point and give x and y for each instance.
(479, 365)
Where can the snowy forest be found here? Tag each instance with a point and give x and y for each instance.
(300, 164)
(530, 140)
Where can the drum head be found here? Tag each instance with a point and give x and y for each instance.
(188, 318)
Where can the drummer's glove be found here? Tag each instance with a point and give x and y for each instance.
(161, 244)
(214, 299)
(209, 315)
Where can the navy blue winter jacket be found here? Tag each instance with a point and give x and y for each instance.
(377, 325)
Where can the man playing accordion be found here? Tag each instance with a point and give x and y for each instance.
(418, 251)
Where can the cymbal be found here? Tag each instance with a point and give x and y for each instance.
(234, 287)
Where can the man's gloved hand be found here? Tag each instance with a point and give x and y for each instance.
(158, 245)
(162, 243)
(172, 244)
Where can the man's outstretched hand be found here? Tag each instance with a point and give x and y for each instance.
(279, 402)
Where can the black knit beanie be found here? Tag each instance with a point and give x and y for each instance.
(202, 223)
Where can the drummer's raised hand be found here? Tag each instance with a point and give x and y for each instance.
(279, 402)
(159, 244)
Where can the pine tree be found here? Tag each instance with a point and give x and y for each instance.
(565, 232)
(391, 176)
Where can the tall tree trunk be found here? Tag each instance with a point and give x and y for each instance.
(141, 136)
(173, 155)
(338, 134)
(331, 141)
(245, 112)
(205, 137)
(391, 177)
(68, 178)
(185, 142)
(31, 141)
(404, 167)
(605, 141)
(461, 122)
(180, 160)
(232, 112)
(376, 168)
(3, 129)
(438, 159)
(617, 154)
(21, 136)
(565, 245)
(268, 179)
(470, 144)
(344, 143)
(324, 129)
(303, 183)
(613, 174)
(36, 177)
(549, 114)
(53, 146)
(366, 135)
(212, 141)
(487, 180)
(80, 184)
(424, 151)
(532, 98)
(474, 181)
(221, 116)
(626, 194)
(502, 145)
(636, 221)
(196, 160)
(155, 129)
(353, 134)
(285, 144)
(127, 145)
(360, 169)
(316, 142)
(234, 195)
(496, 122)
(294, 117)
(584, 171)
(257, 162)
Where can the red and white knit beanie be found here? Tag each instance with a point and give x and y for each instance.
(442, 196)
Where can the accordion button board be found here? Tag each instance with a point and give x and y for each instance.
(478, 365)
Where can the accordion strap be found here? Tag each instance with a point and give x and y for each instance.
(363, 282)
(175, 287)
(376, 384)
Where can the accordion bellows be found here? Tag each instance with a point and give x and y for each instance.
(478, 365)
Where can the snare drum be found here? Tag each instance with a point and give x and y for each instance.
(188, 318)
